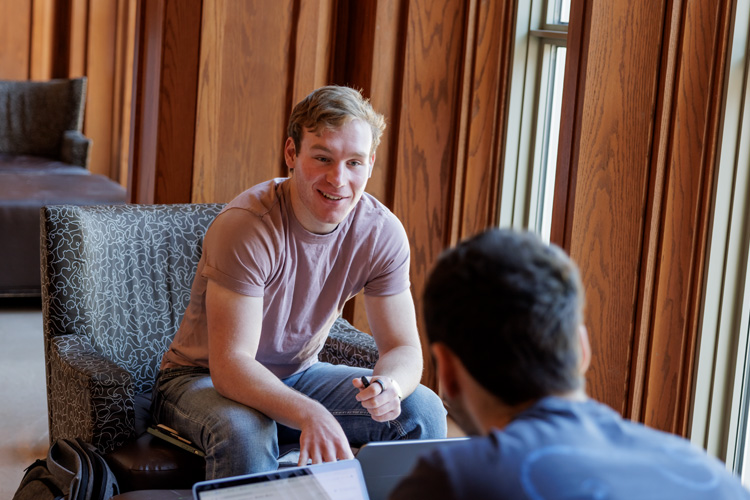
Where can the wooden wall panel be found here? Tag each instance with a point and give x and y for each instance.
(43, 39)
(100, 68)
(163, 128)
(691, 163)
(243, 96)
(613, 173)
(15, 39)
(639, 153)
(487, 83)
(425, 173)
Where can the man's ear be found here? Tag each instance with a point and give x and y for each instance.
(290, 152)
(585, 347)
(447, 368)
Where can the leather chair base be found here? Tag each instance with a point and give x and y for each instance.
(149, 463)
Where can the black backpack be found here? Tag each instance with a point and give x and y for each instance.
(73, 470)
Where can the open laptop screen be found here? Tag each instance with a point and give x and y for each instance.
(341, 480)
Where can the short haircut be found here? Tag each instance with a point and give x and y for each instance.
(329, 108)
(509, 306)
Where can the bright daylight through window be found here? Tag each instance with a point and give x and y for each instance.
(534, 115)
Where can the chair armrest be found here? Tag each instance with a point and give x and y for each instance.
(88, 396)
(346, 345)
(75, 148)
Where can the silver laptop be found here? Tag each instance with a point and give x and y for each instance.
(386, 463)
(342, 480)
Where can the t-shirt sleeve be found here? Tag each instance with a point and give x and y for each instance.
(239, 252)
(390, 260)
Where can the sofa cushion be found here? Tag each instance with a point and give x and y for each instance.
(22, 195)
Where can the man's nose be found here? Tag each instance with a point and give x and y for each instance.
(336, 175)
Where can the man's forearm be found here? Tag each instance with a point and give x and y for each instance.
(250, 383)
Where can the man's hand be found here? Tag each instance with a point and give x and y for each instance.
(382, 398)
(323, 439)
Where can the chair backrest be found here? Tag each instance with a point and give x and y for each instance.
(36, 115)
(121, 275)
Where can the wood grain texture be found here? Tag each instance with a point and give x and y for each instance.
(147, 77)
(177, 101)
(699, 83)
(425, 173)
(242, 96)
(78, 38)
(487, 86)
(100, 70)
(612, 182)
(15, 39)
(43, 39)
(167, 56)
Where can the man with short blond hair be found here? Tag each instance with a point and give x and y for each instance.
(278, 265)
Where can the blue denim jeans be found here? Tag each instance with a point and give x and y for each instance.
(241, 440)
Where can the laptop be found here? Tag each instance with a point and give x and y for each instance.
(342, 480)
(386, 463)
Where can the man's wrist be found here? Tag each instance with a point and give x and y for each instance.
(397, 388)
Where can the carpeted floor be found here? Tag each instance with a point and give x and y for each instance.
(23, 412)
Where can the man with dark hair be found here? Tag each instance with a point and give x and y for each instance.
(503, 314)
(278, 265)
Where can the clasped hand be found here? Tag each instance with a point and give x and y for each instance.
(381, 398)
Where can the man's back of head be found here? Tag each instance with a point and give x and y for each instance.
(509, 307)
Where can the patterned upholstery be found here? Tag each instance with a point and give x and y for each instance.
(115, 282)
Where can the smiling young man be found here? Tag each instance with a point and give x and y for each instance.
(278, 265)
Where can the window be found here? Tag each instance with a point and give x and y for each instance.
(721, 415)
(534, 115)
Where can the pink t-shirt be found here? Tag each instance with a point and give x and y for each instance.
(256, 247)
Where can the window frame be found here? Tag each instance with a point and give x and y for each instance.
(722, 375)
(529, 117)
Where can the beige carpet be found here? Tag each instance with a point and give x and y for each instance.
(23, 410)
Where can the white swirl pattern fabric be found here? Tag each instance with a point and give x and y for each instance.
(115, 283)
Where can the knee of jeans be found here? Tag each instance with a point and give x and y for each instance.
(242, 427)
(424, 410)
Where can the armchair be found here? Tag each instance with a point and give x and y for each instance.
(44, 119)
(115, 283)
(44, 160)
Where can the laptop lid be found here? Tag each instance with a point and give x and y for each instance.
(340, 480)
(386, 463)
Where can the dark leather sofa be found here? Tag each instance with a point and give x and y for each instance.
(44, 160)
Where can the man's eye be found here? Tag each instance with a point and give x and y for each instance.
(322, 159)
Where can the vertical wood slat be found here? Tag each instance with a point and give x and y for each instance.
(663, 123)
(15, 39)
(427, 136)
(487, 108)
(42, 54)
(163, 128)
(101, 48)
(576, 66)
(79, 38)
(145, 108)
(243, 106)
(703, 54)
(613, 148)
(640, 141)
